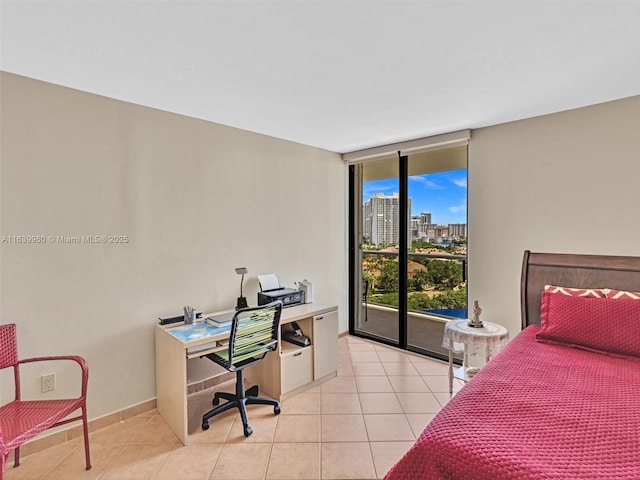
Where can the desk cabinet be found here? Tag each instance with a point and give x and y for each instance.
(325, 333)
(297, 368)
(294, 368)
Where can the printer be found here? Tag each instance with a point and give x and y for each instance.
(270, 291)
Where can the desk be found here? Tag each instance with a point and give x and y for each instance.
(459, 337)
(281, 374)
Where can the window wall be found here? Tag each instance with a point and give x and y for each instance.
(408, 246)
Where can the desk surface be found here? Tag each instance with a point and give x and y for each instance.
(201, 332)
(197, 331)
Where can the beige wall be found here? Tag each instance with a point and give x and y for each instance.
(567, 182)
(195, 199)
(198, 199)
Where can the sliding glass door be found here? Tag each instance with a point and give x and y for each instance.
(379, 231)
(437, 259)
(408, 240)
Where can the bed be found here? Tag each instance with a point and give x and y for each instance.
(562, 399)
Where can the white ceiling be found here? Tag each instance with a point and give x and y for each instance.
(340, 75)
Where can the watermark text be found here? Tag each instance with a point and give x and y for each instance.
(64, 239)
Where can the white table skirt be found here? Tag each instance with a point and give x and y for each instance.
(490, 335)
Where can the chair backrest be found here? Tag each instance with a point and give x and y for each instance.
(8, 346)
(254, 333)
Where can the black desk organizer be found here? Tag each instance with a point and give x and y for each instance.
(176, 319)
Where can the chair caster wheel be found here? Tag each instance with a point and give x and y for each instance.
(205, 425)
(276, 410)
(248, 431)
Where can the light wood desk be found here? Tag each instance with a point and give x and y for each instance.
(282, 373)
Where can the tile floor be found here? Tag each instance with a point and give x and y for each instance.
(356, 425)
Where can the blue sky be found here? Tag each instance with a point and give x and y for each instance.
(444, 194)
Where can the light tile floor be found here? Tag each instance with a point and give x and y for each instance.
(356, 425)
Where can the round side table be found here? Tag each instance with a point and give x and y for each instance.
(459, 337)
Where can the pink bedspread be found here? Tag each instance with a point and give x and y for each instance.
(536, 411)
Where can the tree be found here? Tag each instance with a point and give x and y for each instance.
(444, 273)
(418, 301)
(436, 272)
(388, 279)
(422, 245)
(420, 280)
(454, 274)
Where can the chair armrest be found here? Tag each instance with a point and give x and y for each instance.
(79, 360)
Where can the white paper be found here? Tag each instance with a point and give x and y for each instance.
(268, 281)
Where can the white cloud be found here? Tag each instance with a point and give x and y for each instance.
(458, 208)
(370, 192)
(426, 181)
(460, 182)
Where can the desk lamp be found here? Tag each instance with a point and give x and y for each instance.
(242, 301)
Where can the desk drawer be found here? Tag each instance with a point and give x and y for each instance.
(297, 368)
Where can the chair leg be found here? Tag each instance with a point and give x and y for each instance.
(85, 428)
(265, 401)
(241, 395)
(224, 395)
(243, 415)
(219, 409)
(16, 457)
(252, 392)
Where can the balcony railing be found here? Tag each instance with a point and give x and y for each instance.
(449, 257)
(425, 327)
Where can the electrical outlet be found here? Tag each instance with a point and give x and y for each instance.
(48, 382)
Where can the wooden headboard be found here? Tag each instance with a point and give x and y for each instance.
(568, 270)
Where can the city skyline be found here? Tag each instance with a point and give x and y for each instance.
(443, 194)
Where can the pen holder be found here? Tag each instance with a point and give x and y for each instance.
(189, 315)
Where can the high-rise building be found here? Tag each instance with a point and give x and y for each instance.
(381, 223)
(381, 219)
(458, 230)
(422, 220)
(436, 232)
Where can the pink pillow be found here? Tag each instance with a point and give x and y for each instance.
(601, 324)
(622, 295)
(577, 292)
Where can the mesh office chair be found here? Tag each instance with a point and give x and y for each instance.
(254, 333)
(21, 420)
